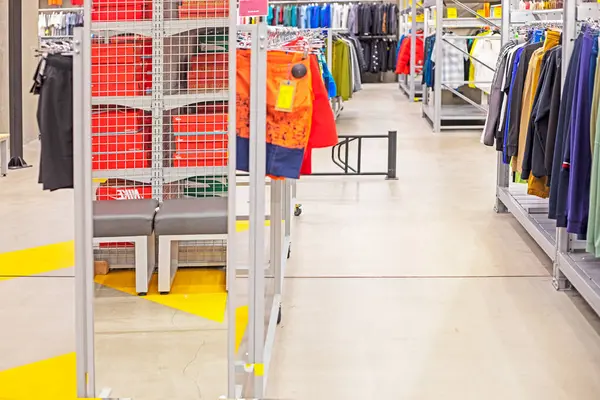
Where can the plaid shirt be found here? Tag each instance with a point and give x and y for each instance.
(453, 60)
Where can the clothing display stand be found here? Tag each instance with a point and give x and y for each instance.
(572, 266)
(45, 18)
(472, 114)
(107, 121)
(410, 22)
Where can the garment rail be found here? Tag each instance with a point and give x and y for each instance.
(536, 173)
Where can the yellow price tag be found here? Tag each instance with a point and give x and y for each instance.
(452, 12)
(481, 12)
(421, 18)
(498, 11)
(285, 97)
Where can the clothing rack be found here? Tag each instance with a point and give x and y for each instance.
(471, 114)
(573, 267)
(410, 21)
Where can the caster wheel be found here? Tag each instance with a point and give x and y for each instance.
(164, 293)
(298, 210)
(142, 294)
(279, 316)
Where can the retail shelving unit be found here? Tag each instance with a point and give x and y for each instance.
(257, 285)
(410, 21)
(573, 267)
(472, 114)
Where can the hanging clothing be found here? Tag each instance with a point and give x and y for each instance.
(454, 54)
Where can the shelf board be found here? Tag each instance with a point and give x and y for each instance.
(533, 217)
(170, 101)
(583, 272)
(171, 27)
(467, 22)
(170, 174)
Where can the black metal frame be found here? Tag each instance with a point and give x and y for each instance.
(344, 163)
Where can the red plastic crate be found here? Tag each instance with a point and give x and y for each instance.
(200, 159)
(121, 143)
(121, 160)
(200, 123)
(121, 10)
(125, 192)
(117, 121)
(187, 143)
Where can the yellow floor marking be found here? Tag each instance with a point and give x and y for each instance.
(37, 260)
(54, 378)
(48, 258)
(241, 323)
(199, 292)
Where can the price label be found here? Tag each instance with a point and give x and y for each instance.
(285, 96)
(452, 12)
(481, 12)
(498, 11)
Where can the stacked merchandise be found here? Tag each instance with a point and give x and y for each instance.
(458, 66)
(359, 19)
(129, 10)
(551, 138)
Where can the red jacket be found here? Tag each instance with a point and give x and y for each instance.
(403, 62)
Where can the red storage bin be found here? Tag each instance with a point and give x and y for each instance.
(120, 68)
(200, 123)
(119, 121)
(124, 190)
(193, 143)
(122, 160)
(208, 71)
(200, 159)
(121, 10)
(121, 143)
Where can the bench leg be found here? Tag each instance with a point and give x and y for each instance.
(168, 254)
(3, 157)
(141, 265)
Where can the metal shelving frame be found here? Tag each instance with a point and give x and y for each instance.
(443, 116)
(248, 367)
(410, 84)
(572, 266)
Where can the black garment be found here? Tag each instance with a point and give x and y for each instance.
(55, 121)
(531, 131)
(560, 176)
(516, 104)
(553, 116)
(510, 66)
(542, 118)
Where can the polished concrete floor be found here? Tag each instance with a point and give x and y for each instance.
(409, 289)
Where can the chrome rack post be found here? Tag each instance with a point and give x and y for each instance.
(82, 179)
(503, 172)
(437, 95)
(569, 33)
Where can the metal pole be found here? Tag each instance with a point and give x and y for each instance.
(329, 50)
(15, 85)
(502, 170)
(413, 48)
(392, 155)
(437, 96)
(231, 208)
(569, 33)
(84, 252)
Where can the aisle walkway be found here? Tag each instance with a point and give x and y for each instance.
(416, 290)
(406, 290)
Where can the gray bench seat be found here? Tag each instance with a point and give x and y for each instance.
(129, 221)
(186, 220)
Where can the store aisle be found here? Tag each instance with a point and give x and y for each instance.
(415, 289)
